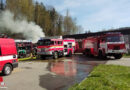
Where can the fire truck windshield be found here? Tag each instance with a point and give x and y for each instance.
(44, 42)
(115, 39)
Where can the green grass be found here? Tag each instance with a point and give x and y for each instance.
(106, 77)
(126, 55)
(25, 59)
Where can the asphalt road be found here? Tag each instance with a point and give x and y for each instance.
(52, 74)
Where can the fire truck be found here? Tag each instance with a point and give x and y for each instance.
(50, 47)
(8, 56)
(24, 48)
(109, 44)
(69, 46)
(55, 46)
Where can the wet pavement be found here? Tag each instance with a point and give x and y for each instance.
(68, 72)
(74, 70)
(51, 74)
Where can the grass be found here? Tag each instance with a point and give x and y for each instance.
(25, 59)
(106, 77)
(126, 55)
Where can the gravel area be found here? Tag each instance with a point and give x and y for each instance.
(123, 62)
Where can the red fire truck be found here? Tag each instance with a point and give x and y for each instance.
(24, 48)
(8, 56)
(50, 47)
(69, 46)
(109, 44)
(55, 47)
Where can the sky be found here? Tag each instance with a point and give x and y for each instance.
(95, 15)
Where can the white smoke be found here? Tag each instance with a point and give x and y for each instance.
(29, 30)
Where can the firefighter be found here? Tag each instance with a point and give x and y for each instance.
(34, 52)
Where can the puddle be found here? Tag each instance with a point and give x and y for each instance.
(71, 69)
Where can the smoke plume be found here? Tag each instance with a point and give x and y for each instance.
(29, 30)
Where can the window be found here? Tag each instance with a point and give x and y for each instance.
(52, 42)
(115, 39)
(55, 42)
(65, 46)
(44, 42)
(70, 45)
(59, 42)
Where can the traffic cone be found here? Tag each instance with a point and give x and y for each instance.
(2, 84)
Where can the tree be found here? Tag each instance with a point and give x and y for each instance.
(21, 8)
(47, 18)
(70, 26)
(59, 26)
(88, 31)
(79, 29)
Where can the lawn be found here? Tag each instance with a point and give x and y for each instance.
(106, 77)
(126, 55)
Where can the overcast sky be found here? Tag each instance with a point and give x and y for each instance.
(95, 15)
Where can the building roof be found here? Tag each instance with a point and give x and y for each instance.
(124, 31)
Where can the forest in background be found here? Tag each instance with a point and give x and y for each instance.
(52, 22)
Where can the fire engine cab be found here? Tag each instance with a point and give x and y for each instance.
(109, 44)
(8, 56)
(55, 46)
(50, 47)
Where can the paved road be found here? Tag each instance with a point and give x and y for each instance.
(52, 74)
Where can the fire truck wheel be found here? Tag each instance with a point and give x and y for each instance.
(63, 54)
(7, 69)
(55, 55)
(118, 56)
(43, 57)
(83, 53)
(100, 54)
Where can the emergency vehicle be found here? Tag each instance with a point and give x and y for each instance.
(24, 48)
(109, 44)
(50, 47)
(55, 46)
(8, 56)
(69, 46)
